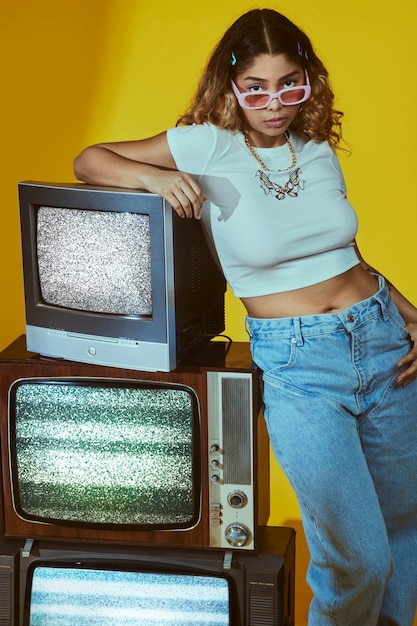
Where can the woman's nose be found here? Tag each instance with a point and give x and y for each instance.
(275, 105)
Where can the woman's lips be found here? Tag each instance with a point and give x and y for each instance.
(275, 122)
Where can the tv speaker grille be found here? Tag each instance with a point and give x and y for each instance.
(5, 598)
(198, 275)
(265, 607)
(237, 426)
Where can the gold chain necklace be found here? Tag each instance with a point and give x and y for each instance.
(262, 164)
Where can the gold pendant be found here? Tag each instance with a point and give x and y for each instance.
(291, 189)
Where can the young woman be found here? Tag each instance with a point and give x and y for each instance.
(254, 158)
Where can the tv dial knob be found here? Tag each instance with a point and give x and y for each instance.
(237, 499)
(215, 464)
(238, 535)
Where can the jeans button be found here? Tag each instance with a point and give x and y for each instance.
(350, 318)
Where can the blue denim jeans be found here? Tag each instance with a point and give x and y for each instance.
(345, 434)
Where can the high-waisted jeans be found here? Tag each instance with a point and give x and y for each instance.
(345, 434)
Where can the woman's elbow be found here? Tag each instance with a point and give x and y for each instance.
(82, 165)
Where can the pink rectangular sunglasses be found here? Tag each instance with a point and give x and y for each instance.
(261, 99)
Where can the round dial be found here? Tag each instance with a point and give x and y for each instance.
(237, 499)
(238, 535)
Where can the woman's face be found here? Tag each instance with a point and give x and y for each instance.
(266, 127)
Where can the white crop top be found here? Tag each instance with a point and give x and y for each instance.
(273, 231)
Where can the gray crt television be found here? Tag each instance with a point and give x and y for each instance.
(114, 277)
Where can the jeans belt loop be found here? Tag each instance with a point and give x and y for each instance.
(384, 309)
(297, 331)
(247, 327)
(383, 298)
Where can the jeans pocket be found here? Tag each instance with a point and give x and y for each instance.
(273, 355)
(398, 320)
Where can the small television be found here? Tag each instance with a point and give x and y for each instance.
(142, 458)
(114, 277)
(66, 584)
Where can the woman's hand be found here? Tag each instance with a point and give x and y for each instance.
(410, 359)
(182, 192)
(143, 164)
(409, 314)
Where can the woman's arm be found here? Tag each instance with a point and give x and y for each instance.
(145, 164)
(409, 313)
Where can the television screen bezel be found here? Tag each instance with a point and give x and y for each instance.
(151, 565)
(196, 442)
(152, 328)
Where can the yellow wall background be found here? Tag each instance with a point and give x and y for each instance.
(76, 72)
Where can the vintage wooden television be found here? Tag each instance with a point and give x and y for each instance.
(114, 455)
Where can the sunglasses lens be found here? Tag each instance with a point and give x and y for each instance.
(292, 96)
(256, 100)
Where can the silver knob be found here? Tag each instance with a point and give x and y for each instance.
(238, 535)
(237, 499)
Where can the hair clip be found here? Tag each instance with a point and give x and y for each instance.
(301, 52)
(234, 59)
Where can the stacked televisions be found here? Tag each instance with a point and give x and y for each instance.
(154, 475)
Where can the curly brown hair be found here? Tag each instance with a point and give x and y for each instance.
(263, 31)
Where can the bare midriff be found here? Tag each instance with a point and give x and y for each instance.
(330, 296)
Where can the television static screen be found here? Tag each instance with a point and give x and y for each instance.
(98, 261)
(105, 453)
(96, 597)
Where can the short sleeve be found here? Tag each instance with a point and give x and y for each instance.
(193, 147)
